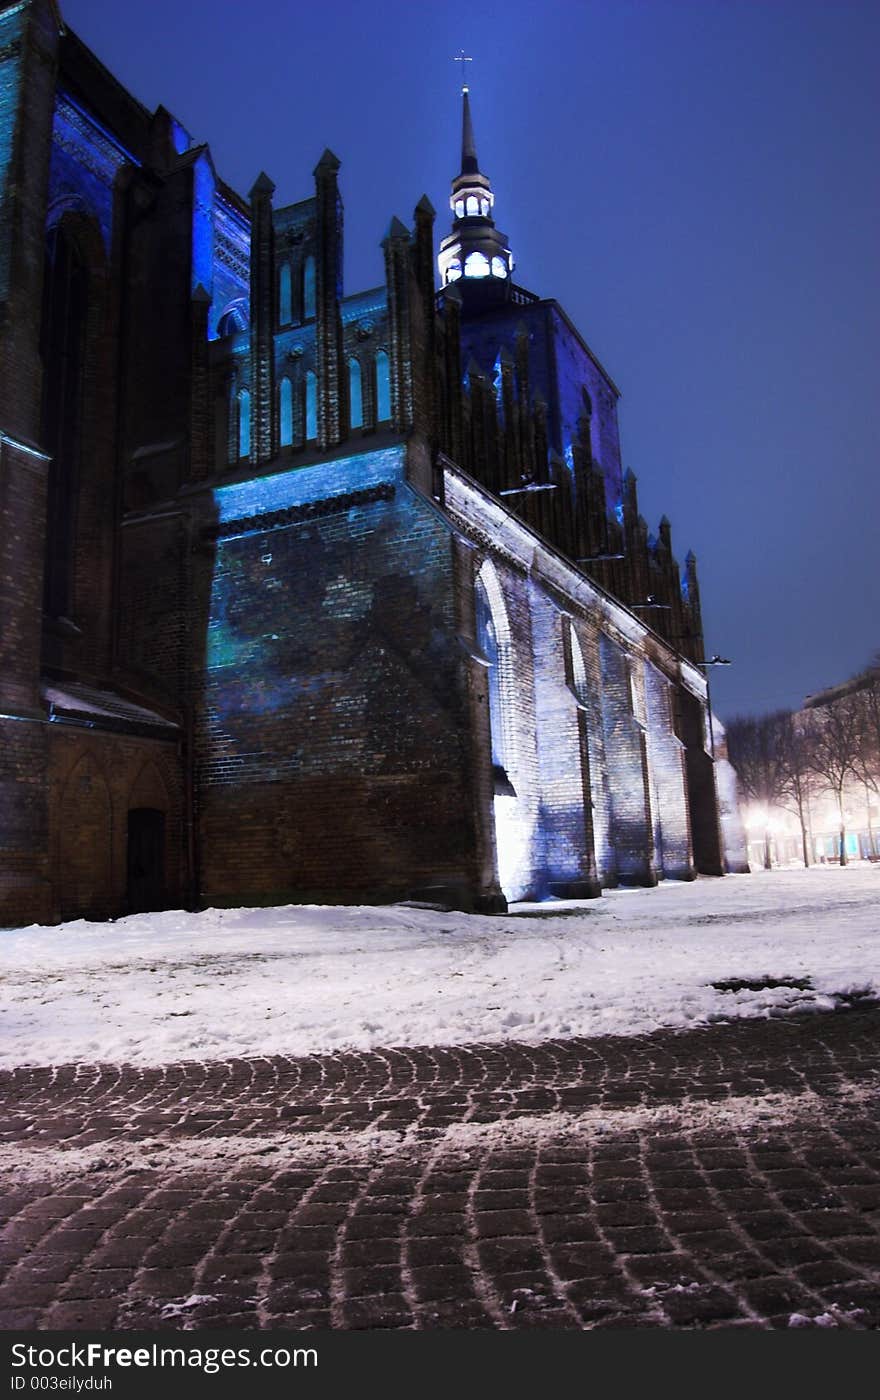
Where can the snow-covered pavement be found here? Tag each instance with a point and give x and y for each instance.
(156, 988)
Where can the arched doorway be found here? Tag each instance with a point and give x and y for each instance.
(145, 885)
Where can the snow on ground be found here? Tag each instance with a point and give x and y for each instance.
(39, 1160)
(299, 979)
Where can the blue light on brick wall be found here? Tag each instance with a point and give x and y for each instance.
(86, 158)
(203, 225)
(11, 25)
(303, 484)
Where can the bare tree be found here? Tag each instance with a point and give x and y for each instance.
(756, 750)
(836, 741)
(868, 757)
(796, 759)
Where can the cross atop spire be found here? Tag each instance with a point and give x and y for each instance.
(463, 58)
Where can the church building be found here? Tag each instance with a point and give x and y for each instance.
(308, 595)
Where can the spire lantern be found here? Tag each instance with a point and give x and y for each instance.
(475, 251)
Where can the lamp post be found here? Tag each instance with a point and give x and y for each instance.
(715, 660)
(650, 602)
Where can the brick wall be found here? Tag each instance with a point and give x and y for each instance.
(668, 786)
(95, 780)
(330, 724)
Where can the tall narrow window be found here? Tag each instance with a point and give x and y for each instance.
(244, 423)
(383, 388)
(487, 641)
(285, 314)
(308, 288)
(512, 827)
(311, 405)
(285, 414)
(64, 336)
(356, 399)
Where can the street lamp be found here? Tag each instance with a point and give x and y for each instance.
(529, 488)
(715, 660)
(650, 602)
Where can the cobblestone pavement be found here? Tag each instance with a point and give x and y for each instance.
(724, 1177)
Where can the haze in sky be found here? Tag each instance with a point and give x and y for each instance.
(694, 180)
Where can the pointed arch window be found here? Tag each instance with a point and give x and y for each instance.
(244, 423)
(355, 395)
(308, 288)
(494, 643)
(285, 413)
(575, 666)
(383, 388)
(285, 300)
(473, 206)
(495, 651)
(499, 267)
(311, 405)
(233, 318)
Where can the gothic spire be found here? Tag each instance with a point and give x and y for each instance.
(469, 163)
(475, 250)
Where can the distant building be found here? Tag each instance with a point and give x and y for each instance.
(822, 816)
(307, 595)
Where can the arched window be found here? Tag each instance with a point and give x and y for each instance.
(453, 271)
(484, 207)
(473, 206)
(285, 311)
(499, 267)
(578, 672)
(233, 318)
(459, 208)
(285, 413)
(476, 265)
(493, 641)
(355, 395)
(244, 423)
(308, 288)
(512, 828)
(311, 406)
(383, 388)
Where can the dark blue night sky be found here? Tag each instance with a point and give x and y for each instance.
(695, 181)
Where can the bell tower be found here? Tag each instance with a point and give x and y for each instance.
(475, 254)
